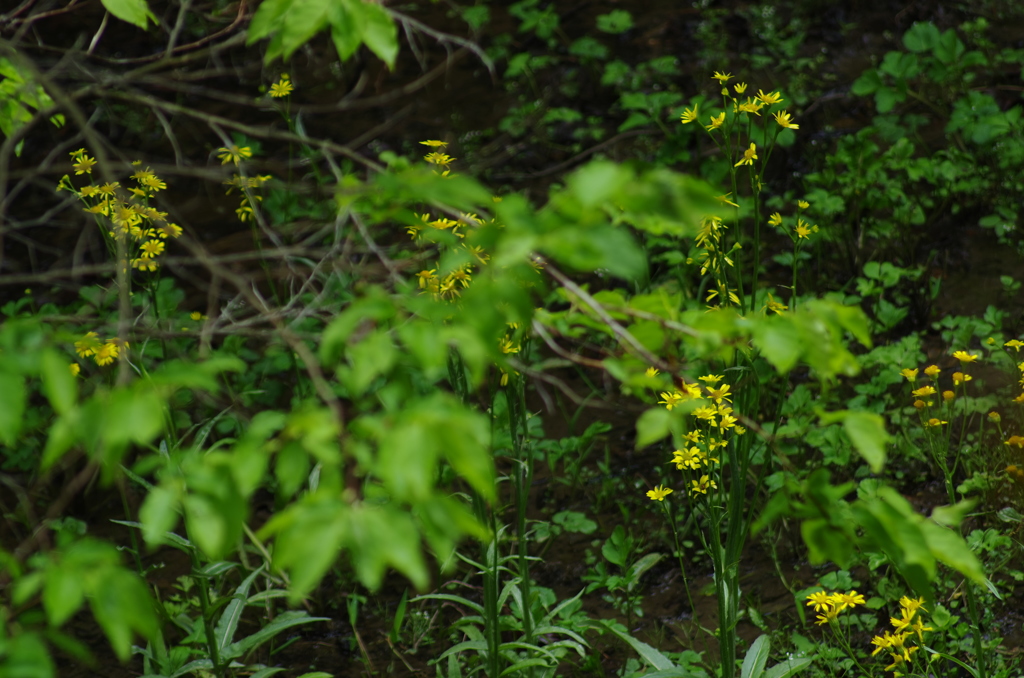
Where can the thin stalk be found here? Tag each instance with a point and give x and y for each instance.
(204, 606)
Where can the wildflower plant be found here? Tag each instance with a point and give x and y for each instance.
(746, 129)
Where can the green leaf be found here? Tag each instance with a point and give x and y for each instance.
(63, 594)
(133, 11)
(160, 512)
(27, 657)
(648, 653)
(616, 21)
(789, 667)
(921, 37)
(652, 426)
(303, 20)
(309, 536)
(227, 624)
(122, 605)
(12, 406)
(380, 32)
(867, 433)
(282, 622)
(266, 19)
(59, 385)
(756, 658)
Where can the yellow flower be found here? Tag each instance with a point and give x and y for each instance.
(802, 231)
(923, 391)
(434, 143)
(687, 458)
(84, 165)
(803, 204)
(933, 422)
(965, 357)
(703, 485)
(689, 115)
(106, 353)
(671, 399)
(282, 87)
(749, 156)
(819, 600)
(716, 121)
(75, 369)
(919, 628)
(1013, 343)
(830, 614)
(651, 372)
(109, 188)
(772, 305)
(881, 642)
(145, 264)
(750, 106)
(507, 346)
(153, 183)
(961, 378)
(196, 315)
(769, 99)
(720, 394)
(711, 379)
(910, 374)
(722, 77)
(740, 87)
(848, 600)
(659, 493)
(87, 345)
(785, 120)
(1014, 440)
(440, 159)
(912, 604)
(948, 395)
(932, 370)
(234, 154)
(152, 248)
(725, 198)
(172, 230)
(994, 417)
(775, 219)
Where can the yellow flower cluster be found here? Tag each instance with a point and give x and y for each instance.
(127, 210)
(801, 231)
(438, 158)
(829, 605)
(921, 395)
(751, 106)
(909, 623)
(103, 352)
(246, 185)
(715, 421)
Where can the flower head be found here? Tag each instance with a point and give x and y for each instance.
(749, 156)
(722, 77)
(770, 98)
(659, 493)
(703, 485)
(84, 165)
(235, 154)
(740, 87)
(651, 372)
(785, 120)
(775, 219)
(932, 370)
(923, 391)
(87, 345)
(689, 115)
(282, 87)
(716, 121)
(910, 374)
(965, 357)
(1014, 344)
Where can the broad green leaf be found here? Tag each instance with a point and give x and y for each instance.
(652, 426)
(921, 37)
(12, 406)
(867, 433)
(381, 537)
(789, 667)
(63, 594)
(308, 536)
(596, 182)
(756, 658)
(303, 20)
(27, 657)
(160, 512)
(59, 385)
(380, 32)
(266, 19)
(121, 603)
(133, 11)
